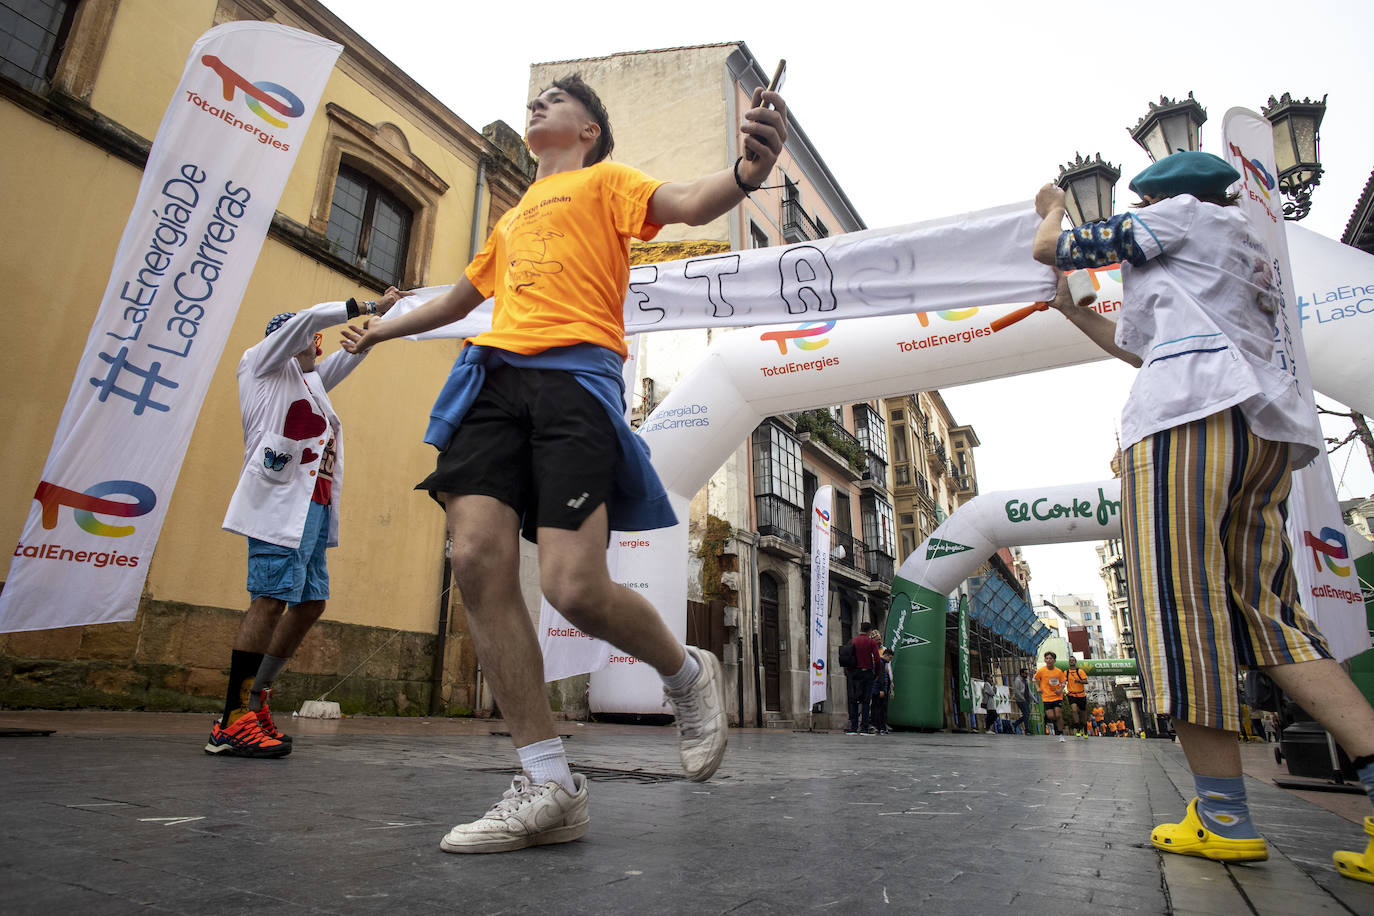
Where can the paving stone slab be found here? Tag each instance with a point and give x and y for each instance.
(128, 814)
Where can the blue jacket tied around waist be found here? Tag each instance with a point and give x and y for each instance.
(638, 501)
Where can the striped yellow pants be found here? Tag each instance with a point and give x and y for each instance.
(1209, 566)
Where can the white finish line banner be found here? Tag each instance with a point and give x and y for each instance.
(214, 175)
(957, 262)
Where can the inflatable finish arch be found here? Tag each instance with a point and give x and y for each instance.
(916, 617)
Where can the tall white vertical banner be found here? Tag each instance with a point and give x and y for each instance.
(216, 170)
(1327, 584)
(820, 591)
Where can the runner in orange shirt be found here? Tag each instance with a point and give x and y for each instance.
(1051, 682)
(1077, 680)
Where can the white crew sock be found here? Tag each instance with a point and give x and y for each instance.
(685, 676)
(546, 760)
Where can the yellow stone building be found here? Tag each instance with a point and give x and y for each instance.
(390, 187)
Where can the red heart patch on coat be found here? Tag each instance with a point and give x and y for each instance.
(307, 456)
(302, 422)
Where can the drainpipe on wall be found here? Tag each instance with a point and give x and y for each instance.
(436, 683)
(752, 604)
(446, 582)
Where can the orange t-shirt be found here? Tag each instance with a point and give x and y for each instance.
(1099, 713)
(558, 263)
(1051, 681)
(1076, 678)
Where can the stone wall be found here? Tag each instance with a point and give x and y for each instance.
(174, 657)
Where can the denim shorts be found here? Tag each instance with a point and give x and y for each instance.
(292, 574)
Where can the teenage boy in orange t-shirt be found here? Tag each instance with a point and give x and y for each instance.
(1051, 682)
(532, 440)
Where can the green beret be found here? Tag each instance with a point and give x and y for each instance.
(1184, 172)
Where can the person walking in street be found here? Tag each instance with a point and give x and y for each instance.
(532, 441)
(1271, 729)
(989, 703)
(1020, 695)
(883, 690)
(859, 680)
(1211, 433)
(286, 504)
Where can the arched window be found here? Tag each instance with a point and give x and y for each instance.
(369, 224)
(376, 201)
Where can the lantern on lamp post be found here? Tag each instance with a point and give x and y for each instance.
(1169, 127)
(1088, 185)
(1296, 150)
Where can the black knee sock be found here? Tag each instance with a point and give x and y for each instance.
(243, 667)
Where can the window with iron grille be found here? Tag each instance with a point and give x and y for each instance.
(32, 33)
(871, 431)
(778, 493)
(757, 237)
(877, 523)
(370, 224)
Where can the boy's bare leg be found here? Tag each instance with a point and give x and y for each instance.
(573, 575)
(292, 627)
(1329, 695)
(486, 568)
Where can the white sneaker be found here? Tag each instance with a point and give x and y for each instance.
(526, 815)
(701, 725)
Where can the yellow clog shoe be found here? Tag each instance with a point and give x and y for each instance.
(1190, 838)
(1353, 864)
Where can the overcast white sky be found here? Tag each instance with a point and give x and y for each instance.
(923, 110)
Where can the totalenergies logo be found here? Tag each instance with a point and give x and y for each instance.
(818, 666)
(824, 518)
(86, 505)
(804, 336)
(1255, 168)
(1330, 547)
(261, 93)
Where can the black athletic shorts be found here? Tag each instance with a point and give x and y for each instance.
(1053, 704)
(536, 440)
(1080, 702)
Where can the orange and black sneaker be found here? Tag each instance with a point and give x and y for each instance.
(245, 738)
(269, 728)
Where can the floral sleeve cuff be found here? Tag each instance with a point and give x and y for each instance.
(1098, 244)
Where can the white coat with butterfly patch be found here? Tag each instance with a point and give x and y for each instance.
(287, 421)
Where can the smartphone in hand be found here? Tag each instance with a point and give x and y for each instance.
(774, 85)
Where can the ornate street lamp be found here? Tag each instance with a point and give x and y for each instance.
(1169, 127)
(1296, 150)
(1088, 186)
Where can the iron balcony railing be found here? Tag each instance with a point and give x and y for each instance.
(779, 519)
(797, 226)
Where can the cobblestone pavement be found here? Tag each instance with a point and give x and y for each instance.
(122, 812)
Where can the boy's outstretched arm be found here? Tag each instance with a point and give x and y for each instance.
(696, 202)
(447, 308)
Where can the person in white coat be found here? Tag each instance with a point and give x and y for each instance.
(1210, 435)
(286, 504)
